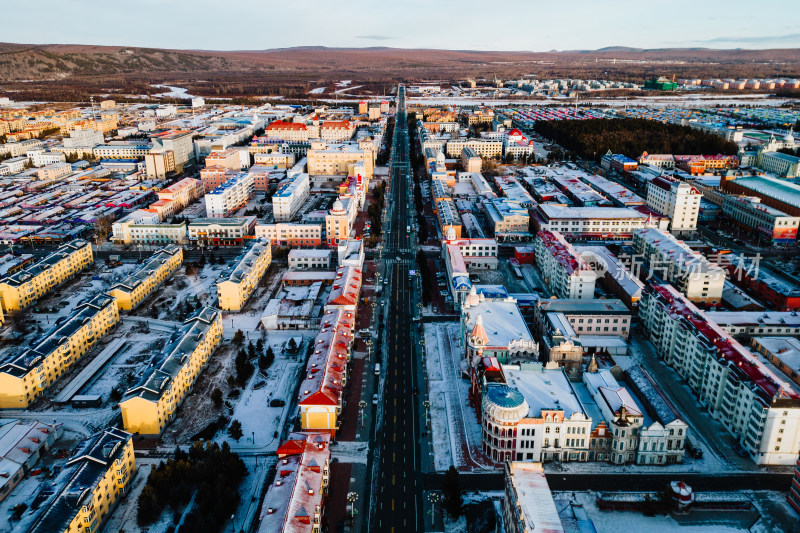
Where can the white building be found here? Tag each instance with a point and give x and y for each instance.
(677, 200)
(673, 261)
(290, 197)
(743, 391)
(563, 269)
(39, 157)
(635, 438)
(594, 222)
(230, 196)
(350, 252)
(309, 259)
(290, 234)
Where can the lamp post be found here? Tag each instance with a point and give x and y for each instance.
(433, 497)
(361, 411)
(352, 497)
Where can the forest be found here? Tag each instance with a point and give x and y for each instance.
(591, 139)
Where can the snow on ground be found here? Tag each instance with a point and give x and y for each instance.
(767, 504)
(317, 90)
(455, 429)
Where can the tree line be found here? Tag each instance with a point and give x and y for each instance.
(591, 139)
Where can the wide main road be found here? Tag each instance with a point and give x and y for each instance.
(398, 486)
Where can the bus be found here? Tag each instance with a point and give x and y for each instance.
(408, 229)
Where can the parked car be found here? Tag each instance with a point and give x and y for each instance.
(374, 399)
(277, 403)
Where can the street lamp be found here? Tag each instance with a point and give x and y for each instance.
(352, 497)
(361, 406)
(433, 497)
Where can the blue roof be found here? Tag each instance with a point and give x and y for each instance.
(505, 396)
(461, 282)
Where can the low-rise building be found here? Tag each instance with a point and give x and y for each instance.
(292, 235)
(748, 212)
(234, 231)
(295, 501)
(635, 438)
(339, 220)
(528, 505)
(673, 261)
(141, 283)
(24, 376)
(486, 148)
(747, 324)
(98, 474)
(335, 159)
(741, 390)
(783, 352)
(241, 278)
(321, 393)
(22, 444)
(22, 288)
(616, 275)
(594, 222)
(565, 272)
(587, 317)
(470, 160)
(310, 259)
(148, 407)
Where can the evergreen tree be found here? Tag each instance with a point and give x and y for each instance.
(452, 496)
(235, 430)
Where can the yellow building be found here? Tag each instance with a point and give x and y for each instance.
(340, 158)
(21, 289)
(238, 282)
(132, 291)
(23, 377)
(99, 472)
(149, 407)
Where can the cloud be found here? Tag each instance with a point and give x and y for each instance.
(756, 39)
(375, 37)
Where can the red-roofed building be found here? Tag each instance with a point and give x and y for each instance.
(287, 131)
(565, 272)
(295, 501)
(332, 130)
(322, 387)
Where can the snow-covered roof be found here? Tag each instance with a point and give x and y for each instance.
(543, 389)
(536, 505)
(502, 321)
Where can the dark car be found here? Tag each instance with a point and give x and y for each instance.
(277, 403)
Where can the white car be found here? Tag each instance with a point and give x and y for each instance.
(374, 399)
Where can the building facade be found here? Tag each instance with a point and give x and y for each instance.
(237, 283)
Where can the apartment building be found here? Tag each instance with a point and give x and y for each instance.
(336, 130)
(295, 501)
(21, 289)
(291, 195)
(287, 131)
(563, 269)
(24, 376)
(148, 407)
(449, 218)
(322, 392)
(140, 284)
(616, 275)
(665, 161)
(784, 165)
(310, 259)
(673, 261)
(507, 219)
(528, 505)
(741, 390)
(292, 235)
(122, 150)
(179, 142)
(485, 148)
(97, 475)
(677, 200)
(241, 278)
(275, 161)
(748, 212)
(220, 231)
(470, 160)
(333, 159)
(182, 193)
(159, 162)
(782, 352)
(229, 159)
(231, 196)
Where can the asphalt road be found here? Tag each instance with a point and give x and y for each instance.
(398, 486)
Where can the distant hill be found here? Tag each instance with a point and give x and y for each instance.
(260, 71)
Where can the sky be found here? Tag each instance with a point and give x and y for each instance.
(531, 25)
